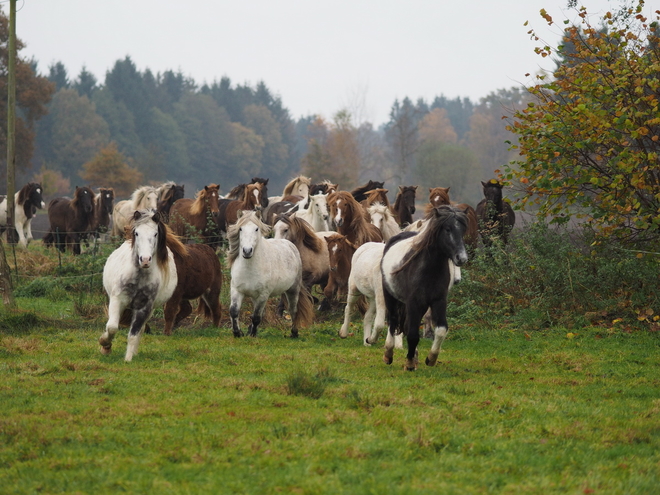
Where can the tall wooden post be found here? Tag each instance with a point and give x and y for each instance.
(5, 275)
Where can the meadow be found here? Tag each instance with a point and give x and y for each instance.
(518, 403)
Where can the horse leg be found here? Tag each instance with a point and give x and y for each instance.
(368, 323)
(440, 329)
(212, 300)
(392, 306)
(234, 310)
(280, 307)
(257, 315)
(428, 326)
(170, 312)
(22, 241)
(185, 309)
(379, 321)
(353, 296)
(140, 317)
(292, 301)
(414, 314)
(114, 312)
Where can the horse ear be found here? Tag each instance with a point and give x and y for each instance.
(257, 213)
(206, 188)
(447, 189)
(400, 188)
(156, 217)
(415, 187)
(239, 213)
(137, 215)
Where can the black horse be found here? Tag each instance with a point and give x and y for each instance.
(417, 275)
(495, 216)
(71, 219)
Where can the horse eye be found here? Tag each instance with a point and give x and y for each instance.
(136, 234)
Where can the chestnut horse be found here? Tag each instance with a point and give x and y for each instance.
(404, 205)
(238, 192)
(340, 251)
(228, 208)
(198, 217)
(350, 219)
(360, 193)
(199, 275)
(440, 196)
(71, 219)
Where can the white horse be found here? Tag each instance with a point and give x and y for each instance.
(298, 186)
(317, 213)
(145, 197)
(262, 268)
(138, 276)
(366, 279)
(26, 202)
(381, 216)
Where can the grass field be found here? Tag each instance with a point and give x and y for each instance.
(511, 407)
(201, 412)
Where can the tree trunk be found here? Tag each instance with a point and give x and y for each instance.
(5, 279)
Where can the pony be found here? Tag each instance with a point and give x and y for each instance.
(27, 201)
(263, 268)
(168, 194)
(228, 208)
(199, 275)
(359, 193)
(404, 205)
(145, 197)
(381, 216)
(350, 220)
(340, 253)
(317, 214)
(274, 209)
(366, 279)
(416, 276)
(71, 220)
(440, 196)
(198, 217)
(376, 196)
(103, 200)
(238, 192)
(138, 276)
(295, 190)
(323, 187)
(496, 217)
(312, 248)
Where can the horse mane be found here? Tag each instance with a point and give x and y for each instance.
(288, 189)
(199, 205)
(237, 192)
(377, 195)
(165, 189)
(425, 239)
(25, 192)
(304, 233)
(363, 189)
(234, 233)
(399, 195)
(76, 199)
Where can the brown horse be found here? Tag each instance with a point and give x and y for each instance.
(199, 275)
(323, 187)
(198, 217)
(228, 208)
(440, 196)
(350, 219)
(340, 253)
(496, 217)
(71, 219)
(238, 192)
(104, 203)
(404, 205)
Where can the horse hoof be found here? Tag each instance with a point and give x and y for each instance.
(431, 360)
(105, 350)
(238, 334)
(411, 365)
(294, 335)
(387, 360)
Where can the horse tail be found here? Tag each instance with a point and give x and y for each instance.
(305, 309)
(203, 309)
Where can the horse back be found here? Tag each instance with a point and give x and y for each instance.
(198, 272)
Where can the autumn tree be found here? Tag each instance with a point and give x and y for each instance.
(53, 183)
(402, 134)
(590, 143)
(109, 168)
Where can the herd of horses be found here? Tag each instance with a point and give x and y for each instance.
(348, 243)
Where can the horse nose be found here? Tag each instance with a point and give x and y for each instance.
(461, 258)
(145, 261)
(412, 209)
(333, 268)
(43, 205)
(339, 222)
(247, 252)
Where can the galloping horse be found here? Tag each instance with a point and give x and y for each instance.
(404, 205)
(228, 208)
(138, 276)
(198, 217)
(340, 252)
(199, 275)
(71, 220)
(440, 196)
(263, 268)
(238, 192)
(168, 194)
(26, 203)
(416, 276)
(145, 197)
(496, 217)
(348, 215)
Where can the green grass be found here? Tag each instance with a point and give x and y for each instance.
(504, 411)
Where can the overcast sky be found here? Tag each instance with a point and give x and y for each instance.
(319, 56)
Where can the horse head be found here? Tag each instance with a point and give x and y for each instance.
(34, 195)
(320, 206)
(449, 224)
(493, 191)
(83, 198)
(105, 199)
(245, 235)
(210, 194)
(264, 190)
(148, 238)
(407, 194)
(342, 207)
(252, 198)
(377, 212)
(439, 196)
(340, 251)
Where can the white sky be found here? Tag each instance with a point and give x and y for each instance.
(319, 56)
